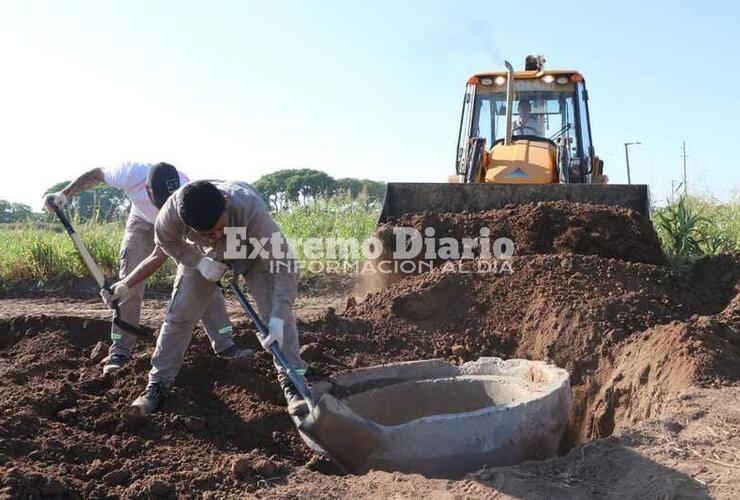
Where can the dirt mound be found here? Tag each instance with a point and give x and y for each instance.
(631, 335)
(547, 227)
(560, 227)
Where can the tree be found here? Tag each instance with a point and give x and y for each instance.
(350, 186)
(289, 187)
(14, 212)
(372, 191)
(274, 188)
(21, 212)
(307, 185)
(286, 188)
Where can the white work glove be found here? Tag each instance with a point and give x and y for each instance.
(212, 270)
(59, 199)
(274, 333)
(118, 292)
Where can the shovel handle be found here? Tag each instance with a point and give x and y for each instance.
(97, 273)
(297, 380)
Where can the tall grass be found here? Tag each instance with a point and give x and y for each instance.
(692, 227)
(44, 252)
(333, 218)
(30, 251)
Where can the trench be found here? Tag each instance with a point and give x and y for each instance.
(50, 378)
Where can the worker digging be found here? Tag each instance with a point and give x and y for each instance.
(190, 229)
(147, 187)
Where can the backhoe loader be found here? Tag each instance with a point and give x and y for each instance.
(525, 136)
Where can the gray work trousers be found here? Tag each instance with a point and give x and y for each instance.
(137, 244)
(191, 294)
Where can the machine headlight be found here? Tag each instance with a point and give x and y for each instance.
(499, 80)
(548, 78)
(486, 81)
(562, 80)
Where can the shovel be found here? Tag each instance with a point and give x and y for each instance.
(346, 437)
(97, 274)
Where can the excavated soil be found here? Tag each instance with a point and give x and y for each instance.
(537, 228)
(61, 428)
(547, 227)
(653, 352)
(631, 335)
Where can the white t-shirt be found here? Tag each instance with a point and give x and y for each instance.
(131, 179)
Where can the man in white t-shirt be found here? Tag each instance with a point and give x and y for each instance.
(148, 187)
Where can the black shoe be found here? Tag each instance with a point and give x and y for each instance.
(151, 399)
(297, 406)
(114, 362)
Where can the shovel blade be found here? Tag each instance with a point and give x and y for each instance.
(347, 438)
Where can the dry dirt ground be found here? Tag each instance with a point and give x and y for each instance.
(653, 352)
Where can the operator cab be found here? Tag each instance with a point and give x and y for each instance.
(549, 116)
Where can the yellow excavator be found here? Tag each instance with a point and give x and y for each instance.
(525, 136)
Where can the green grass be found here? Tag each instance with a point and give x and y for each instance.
(333, 218)
(28, 251)
(43, 252)
(692, 227)
(688, 228)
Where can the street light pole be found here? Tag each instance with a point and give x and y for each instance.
(685, 184)
(627, 157)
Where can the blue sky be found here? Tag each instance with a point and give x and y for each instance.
(235, 89)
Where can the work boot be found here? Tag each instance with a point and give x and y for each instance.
(114, 362)
(236, 352)
(297, 406)
(151, 398)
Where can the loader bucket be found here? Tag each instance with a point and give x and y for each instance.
(412, 197)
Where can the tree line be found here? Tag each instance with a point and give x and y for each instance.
(15, 212)
(288, 188)
(281, 190)
(100, 203)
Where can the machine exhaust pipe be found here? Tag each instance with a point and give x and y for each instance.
(509, 101)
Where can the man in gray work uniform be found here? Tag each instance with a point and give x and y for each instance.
(190, 229)
(147, 187)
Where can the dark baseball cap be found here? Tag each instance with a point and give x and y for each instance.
(163, 179)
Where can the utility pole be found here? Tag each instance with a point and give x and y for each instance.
(685, 186)
(627, 157)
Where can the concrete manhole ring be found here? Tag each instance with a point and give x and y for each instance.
(443, 420)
